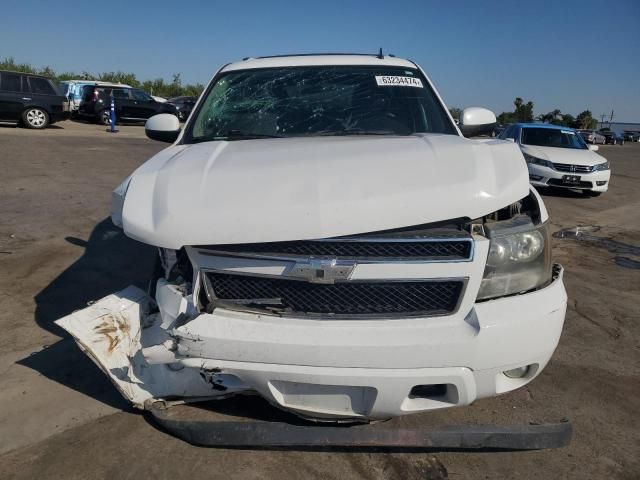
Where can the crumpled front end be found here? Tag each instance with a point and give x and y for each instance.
(357, 328)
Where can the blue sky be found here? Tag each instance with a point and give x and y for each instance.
(573, 55)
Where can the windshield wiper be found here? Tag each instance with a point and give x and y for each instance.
(234, 135)
(354, 131)
(240, 135)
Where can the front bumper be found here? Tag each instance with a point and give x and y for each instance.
(540, 176)
(331, 369)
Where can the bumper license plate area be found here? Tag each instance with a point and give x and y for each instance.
(571, 179)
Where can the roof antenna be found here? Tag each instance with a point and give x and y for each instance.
(380, 55)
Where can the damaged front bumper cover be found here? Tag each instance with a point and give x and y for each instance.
(164, 353)
(322, 369)
(110, 330)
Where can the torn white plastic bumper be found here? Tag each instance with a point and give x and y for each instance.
(318, 368)
(112, 332)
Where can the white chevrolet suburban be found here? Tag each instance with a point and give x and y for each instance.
(329, 239)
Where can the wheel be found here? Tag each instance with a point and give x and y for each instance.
(35, 117)
(104, 117)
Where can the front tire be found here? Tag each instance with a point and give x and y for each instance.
(35, 118)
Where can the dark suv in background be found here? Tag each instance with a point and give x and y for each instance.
(32, 100)
(183, 106)
(131, 104)
(612, 138)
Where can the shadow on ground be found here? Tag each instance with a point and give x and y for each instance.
(110, 262)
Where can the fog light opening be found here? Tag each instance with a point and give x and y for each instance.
(428, 391)
(601, 183)
(535, 178)
(519, 372)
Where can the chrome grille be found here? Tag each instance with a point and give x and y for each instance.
(416, 249)
(346, 298)
(565, 167)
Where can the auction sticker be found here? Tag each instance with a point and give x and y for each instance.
(396, 81)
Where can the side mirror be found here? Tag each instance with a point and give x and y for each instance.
(593, 148)
(476, 121)
(163, 127)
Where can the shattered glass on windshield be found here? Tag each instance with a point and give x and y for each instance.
(328, 100)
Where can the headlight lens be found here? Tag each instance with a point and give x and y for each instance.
(537, 161)
(601, 166)
(519, 258)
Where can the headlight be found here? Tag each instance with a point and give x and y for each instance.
(601, 166)
(519, 258)
(117, 201)
(537, 161)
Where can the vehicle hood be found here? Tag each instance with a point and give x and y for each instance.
(317, 187)
(570, 156)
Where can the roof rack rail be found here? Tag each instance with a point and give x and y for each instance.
(377, 55)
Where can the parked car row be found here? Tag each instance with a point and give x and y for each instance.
(631, 136)
(131, 104)
(73, 90)
(36, 101)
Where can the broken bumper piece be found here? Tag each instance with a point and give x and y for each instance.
(220, 432)
(321, 369)
(110, 332)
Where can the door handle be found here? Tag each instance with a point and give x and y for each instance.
(25, 98)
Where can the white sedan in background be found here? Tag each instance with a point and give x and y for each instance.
(559, 157)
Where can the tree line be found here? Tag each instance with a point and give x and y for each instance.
(158, 86)
(523, 113)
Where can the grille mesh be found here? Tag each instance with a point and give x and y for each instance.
(413, 250)
(344, 298)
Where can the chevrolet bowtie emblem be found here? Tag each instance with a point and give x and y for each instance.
(322, 270)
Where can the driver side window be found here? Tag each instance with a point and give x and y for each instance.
(140, 95)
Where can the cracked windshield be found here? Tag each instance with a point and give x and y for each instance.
(317, 101)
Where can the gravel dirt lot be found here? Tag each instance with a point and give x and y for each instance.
(61, 418)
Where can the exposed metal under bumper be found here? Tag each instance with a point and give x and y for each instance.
(260, 434)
